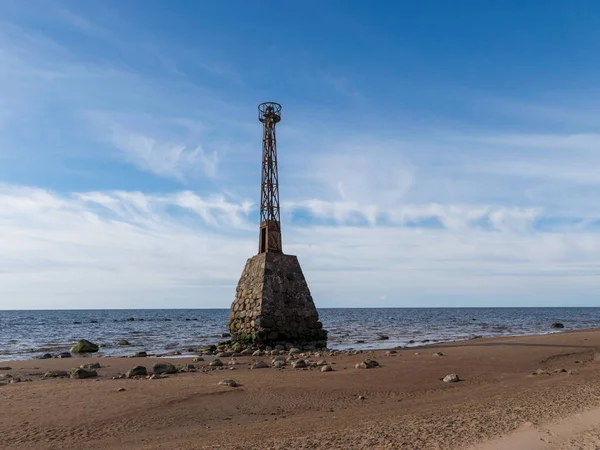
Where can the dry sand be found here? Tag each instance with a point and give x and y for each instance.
(499, 405)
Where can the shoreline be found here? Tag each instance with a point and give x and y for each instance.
(401, 404)
(360, 347)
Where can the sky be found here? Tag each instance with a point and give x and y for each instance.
(430, 153)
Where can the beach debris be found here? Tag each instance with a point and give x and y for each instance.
(198, 359)
(216, 363)
(55, 374)
(84, 346)
(382, 337)
(451, 378)
(228, 382)
(140, 355)
(122, 389)
(88, 366)
(326, 368)
(83, 373)
(160, 368)
(5, 368)
(367, 364)
(438, 354)
(64, 355)
(137, 371)
(123, 342)
(299, 364)
(557, 325)
(260, 365)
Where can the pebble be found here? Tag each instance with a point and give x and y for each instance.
(438, 354)
(260, 365)
(160, 368)
(198, 359)
(55, 374)
(80, 373)
(228, 382)
(367, 364)
(326, 368)
(362, 397)
(299, 364)
(451, 378)
(121, 390)
(136, 372)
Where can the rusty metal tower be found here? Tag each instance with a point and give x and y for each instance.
(269, 113)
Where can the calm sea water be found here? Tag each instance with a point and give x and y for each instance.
(26, 334)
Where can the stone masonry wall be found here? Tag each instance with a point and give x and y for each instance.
(273, 304)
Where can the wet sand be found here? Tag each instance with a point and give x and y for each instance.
(499, 404)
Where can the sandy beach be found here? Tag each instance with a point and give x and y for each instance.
(499, 404)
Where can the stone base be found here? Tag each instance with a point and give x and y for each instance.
(273, 305)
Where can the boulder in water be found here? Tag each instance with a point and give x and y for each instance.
(84, 346)
(557, 325)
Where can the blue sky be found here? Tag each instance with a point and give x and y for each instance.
(431, 153)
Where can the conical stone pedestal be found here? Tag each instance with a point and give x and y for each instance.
(273, 304)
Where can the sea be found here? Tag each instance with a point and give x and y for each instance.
(29, 334)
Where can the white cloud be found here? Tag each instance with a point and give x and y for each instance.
(131, 249)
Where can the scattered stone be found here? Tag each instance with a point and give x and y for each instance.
(382, 337)
(278, 364)
(367, 364)
(321, 362)
(5, 376)
(55, 374)
(121, 390)
(157, 376)
(360, 341)
(326, 368)
(225, 335)
(15, 380)
(291, 358)
(560, 371)
(216, 363)
(294, 351)
(257, 353)
(84, 346)
(438, 354)
(123, 342)
(130, 319)
(228, 382)
(5, 368)
(417, 353)
(557, 325)
(137, 371)
(83, 373)
(451, 378)
(260, 365)
(45, 356)
(89, 366)
(198, 359)
(362, 397)
(247, 352)
(391, 352)
(160, 368)
(539, 372)
(223, 355)
(64, 355)
(299, 364)
(141, 355)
